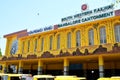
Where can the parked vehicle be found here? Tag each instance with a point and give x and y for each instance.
(69, 78)
(3, 76)
(10, 76)
(43, 77)
(26, 77)
(50, 77)
(110, 78)
(15, 77)
(38, 77)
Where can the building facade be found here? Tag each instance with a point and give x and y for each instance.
(90, 49)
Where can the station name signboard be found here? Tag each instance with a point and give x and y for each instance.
(86, 16)
(91, 15)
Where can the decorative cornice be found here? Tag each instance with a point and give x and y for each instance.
(47, 54)
(100, 50)
(31, 56)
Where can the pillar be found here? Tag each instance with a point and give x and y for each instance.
(20, 69)
(40, 67)
(66, 67)
(101, 68)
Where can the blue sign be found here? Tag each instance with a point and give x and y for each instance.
(41, 30)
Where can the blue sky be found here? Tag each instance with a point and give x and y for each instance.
(16, 15)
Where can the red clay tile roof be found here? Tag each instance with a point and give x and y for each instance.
(16, 33)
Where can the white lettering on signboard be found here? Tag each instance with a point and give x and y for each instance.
(87, 16)
(41, 30)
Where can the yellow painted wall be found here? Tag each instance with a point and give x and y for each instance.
(9, 42)
(54, 66)
(84, 28)
(92, 65)
(108, 23)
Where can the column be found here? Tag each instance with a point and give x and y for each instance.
(66, 67)
(101, 68)
(20, 69)
(40, 67)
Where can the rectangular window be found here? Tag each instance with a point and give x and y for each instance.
(102, 35)
(42, 44)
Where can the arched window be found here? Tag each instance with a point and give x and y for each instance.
(42, 44)
(102, 35)
(91, 37)
(117, 33)
(51, 42)
(69, 40)
(58, 41)
(35, 45)
(28, 45)
(78, 38)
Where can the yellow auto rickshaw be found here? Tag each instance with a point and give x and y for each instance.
(82, 78)
(26, 77)
(69, 78)
(9, 76)
(104, 78)
(43, 77)
(14, 76)
(3, 76)
(115, 78)
(110, 78)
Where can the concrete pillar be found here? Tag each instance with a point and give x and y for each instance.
(40, 67)
(101, 68)
(66, 67)
(20, 69)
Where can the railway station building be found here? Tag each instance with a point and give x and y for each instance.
(85, 44)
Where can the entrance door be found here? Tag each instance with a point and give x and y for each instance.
(54, 72)
(76, 69)
(92, 74)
